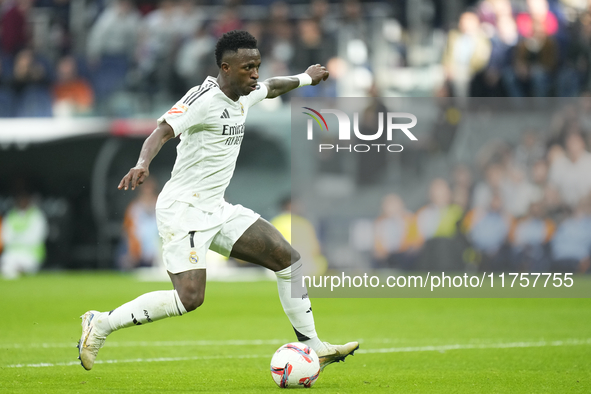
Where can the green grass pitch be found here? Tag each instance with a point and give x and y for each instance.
(407, 345)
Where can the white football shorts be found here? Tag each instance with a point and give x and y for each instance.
(188, 232)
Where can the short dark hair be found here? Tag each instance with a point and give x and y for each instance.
(232, 41)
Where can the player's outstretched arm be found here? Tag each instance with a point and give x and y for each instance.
(281, 85)
(138, 174)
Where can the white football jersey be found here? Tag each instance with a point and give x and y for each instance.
(211, 127)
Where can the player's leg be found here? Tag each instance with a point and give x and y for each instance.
(190, 286)
(264, 245)
(147, 308)
(186, 263)
(188, 295)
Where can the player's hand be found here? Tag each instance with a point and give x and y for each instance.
(135, 177)
(318, 73)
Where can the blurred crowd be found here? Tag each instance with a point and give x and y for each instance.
(504, 48)
(153, 50)
(518, 208)
(76, 58)
(525, 207)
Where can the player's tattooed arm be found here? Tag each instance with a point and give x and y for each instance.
(138, 174)
(281, 85)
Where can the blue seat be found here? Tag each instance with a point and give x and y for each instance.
(110, 76)
(34, 102)
(6, 62)
(6, 103)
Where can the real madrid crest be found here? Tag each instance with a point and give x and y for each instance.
(193, 258)
(242, 109)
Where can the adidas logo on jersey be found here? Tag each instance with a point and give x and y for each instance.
(225, 114)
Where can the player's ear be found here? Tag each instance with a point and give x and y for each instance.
(225, 67)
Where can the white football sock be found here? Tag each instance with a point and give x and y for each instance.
(316, 344)
(146, 308)
(298, 308)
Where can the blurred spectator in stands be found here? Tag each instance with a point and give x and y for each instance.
(555, 154)
(539, 175)
(489, 83)
(565, 120)
(529, 240)
(534, 62)
(462, 186)
(354, 25)
(538, 13)
(354, 43)
(491, 152)
(518, 193)
(497, 21)
(296, 228)
(572, 242)
(395, 235)
(59, 40)
(72, 95)
(440, 217)
(446, 124)
(437, 225)
(111, 47)
(4, 76)
(491, 11)
(275, 37)
(556, 209)
(506, 154)
(319, 11)
(257, 29)
(6, 99)
(371, 169)
(487, 230)
(280, 13)
(570, 173)
(115, 32)
(159, 38)
(493, 184)
(466, 53)
(227, 21)
(14, 27)
(141, 242)
(27, 72)
(279, 39)
(30, 85)
(312, 47)
(190, 18)
(584, 103)
(145, 6)
(573, 5)
(24, 230)
(195, 58)
(530, 150)
(282, 50)
(574, 75)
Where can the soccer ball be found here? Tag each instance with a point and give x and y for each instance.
(295, 365)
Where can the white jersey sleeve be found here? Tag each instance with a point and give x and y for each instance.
(187, 112)
(257, 95)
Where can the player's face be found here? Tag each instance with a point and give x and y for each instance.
(243, 70)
